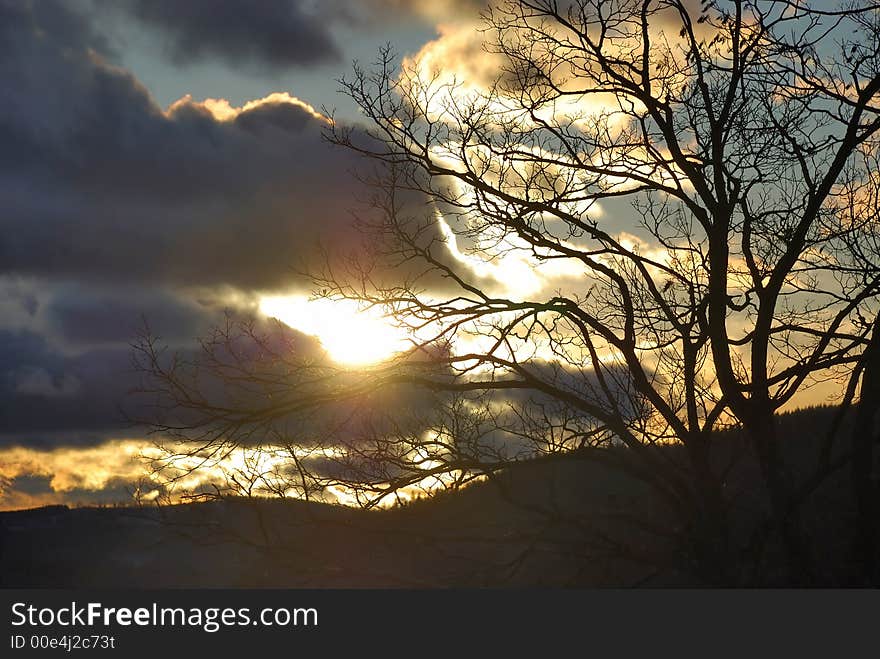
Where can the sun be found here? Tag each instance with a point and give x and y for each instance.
(350, 334)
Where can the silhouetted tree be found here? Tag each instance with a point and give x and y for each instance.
(743, 136)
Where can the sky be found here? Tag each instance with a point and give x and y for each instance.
(164, 161)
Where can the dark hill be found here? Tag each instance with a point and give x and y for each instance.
(548, 522)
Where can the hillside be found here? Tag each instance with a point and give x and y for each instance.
(566, 522)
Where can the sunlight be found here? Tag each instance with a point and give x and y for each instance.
(350, 334)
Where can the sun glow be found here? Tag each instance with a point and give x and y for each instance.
(350, 334)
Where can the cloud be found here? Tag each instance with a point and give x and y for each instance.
(71, 31)
(467, 63)
(18, 302)
(77, 451)
(435, 10)
(99, 182)
(54, 397)
(38, 382)
(81, 315)
(43, 391)
(116, 208)
(108, 472)
(277, 33)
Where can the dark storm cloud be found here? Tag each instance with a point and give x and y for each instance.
(52, 398)
(114, 210)
(98, 182)
(22, 299)
(69, 29)
(84, 316)
(45, 391)
(80, 394)
(278, 33)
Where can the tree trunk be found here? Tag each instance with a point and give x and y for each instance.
(761, 427)
(864, 473)
(711, 534)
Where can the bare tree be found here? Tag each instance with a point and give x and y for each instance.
(695, 184)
